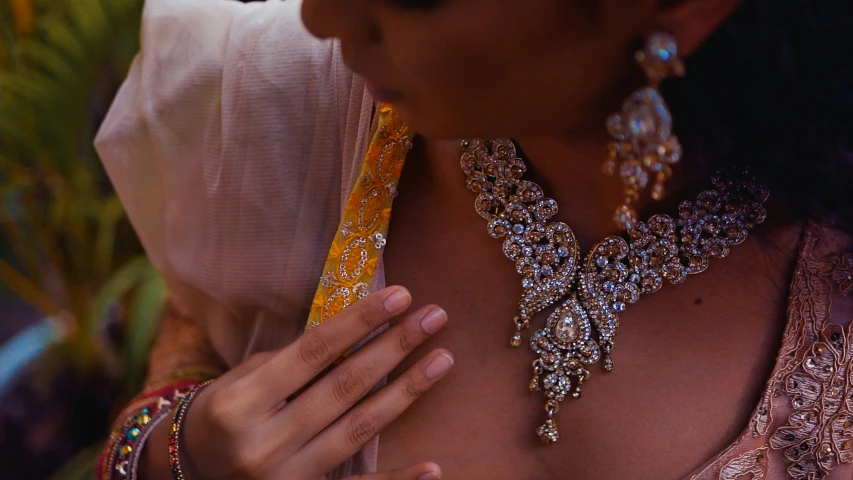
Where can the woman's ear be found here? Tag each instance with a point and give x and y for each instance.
(693, 21)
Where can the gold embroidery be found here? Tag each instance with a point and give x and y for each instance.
(804, 420)
(338, 300)
(816, 438)
(843, 274)
(370, 209)
(754, 463)
(360, 238)
(353, 260)
(813, 372)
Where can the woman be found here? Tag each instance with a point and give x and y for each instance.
(259, 173)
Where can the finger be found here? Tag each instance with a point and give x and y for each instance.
(295, 365)
(248, 366)
(346, 384)
(225, 381)
(350, 433)
(423, 471)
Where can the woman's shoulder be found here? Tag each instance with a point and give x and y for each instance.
(231, 144)
(204, 60)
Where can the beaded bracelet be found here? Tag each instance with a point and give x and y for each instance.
(175, 432)
(126, 441)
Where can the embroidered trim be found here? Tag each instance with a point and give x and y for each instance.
(755, 463)
(843, 274)
(360, 239)
(813, 374)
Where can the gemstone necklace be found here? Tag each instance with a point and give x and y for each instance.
(614, 274)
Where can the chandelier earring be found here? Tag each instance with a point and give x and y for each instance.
(644, 148)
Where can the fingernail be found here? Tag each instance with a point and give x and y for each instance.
(398, 301)
(439, 366)
(429, 476)
(434, 320)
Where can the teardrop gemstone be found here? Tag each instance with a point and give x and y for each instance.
(567, 329)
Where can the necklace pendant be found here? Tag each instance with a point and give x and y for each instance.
(565, 346)
(549, 432)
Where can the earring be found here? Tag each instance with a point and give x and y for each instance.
(644, 148)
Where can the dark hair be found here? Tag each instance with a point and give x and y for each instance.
(773, 88)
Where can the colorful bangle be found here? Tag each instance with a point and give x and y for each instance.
(121, 453)
(175, 432)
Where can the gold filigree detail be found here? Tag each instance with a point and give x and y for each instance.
(370, 209)
(644, 147)
(353, 259)
(358, 243)
(752, 465)
(340, 299)
(817, 436)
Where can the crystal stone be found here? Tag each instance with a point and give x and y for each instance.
(642, 121)
(567, 329)
(548, 432)
(634, 174)
(626, 217)
(616, 128)
(663, 47)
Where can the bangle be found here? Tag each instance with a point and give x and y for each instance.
(175, 432)
(121, 454)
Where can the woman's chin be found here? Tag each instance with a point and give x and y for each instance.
(430, 125)
(418, 121)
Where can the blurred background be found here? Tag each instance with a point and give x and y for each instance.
(79, 302)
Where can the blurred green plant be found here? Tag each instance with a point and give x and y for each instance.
(74, 256)
(81, 467)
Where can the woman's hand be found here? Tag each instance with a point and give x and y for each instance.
(242, 426)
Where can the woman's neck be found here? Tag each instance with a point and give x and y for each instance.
(570, 172)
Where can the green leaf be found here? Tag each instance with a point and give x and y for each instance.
(31, 86)
(114, 290)
(89, 18)
(83, 466)
(111, 213)
(53, 63)
(57, 33)
(143, 322)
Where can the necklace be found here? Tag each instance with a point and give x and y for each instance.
(614, 274)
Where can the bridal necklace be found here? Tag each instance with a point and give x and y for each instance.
(594, 291)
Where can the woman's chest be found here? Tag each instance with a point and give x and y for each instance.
(690, 365)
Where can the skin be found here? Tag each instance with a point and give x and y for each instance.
(243, 426)
(546, 73)
(504, 68)
(691, 360)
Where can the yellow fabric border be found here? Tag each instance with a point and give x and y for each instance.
(360, 239)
